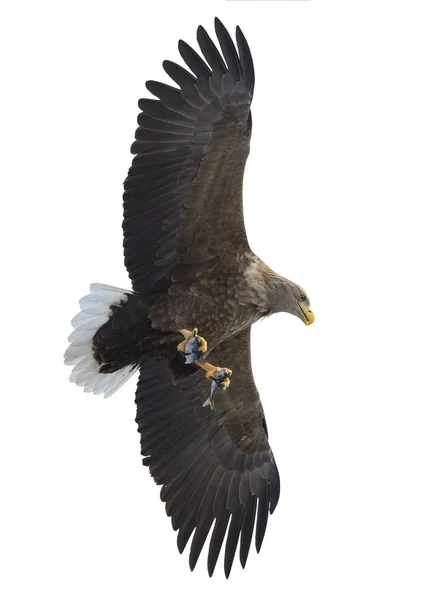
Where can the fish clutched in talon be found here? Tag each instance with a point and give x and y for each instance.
(193, 348)
(220, 377)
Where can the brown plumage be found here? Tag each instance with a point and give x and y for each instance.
(188, 257)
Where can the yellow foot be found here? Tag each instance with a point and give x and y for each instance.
(220, 377)
(193, 346)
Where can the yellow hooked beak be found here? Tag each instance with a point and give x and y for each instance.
(307, 315)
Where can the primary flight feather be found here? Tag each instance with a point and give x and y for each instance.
(197, 290)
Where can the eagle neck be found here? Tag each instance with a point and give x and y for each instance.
(264, 285)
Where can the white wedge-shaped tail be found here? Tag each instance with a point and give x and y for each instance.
(95, 312)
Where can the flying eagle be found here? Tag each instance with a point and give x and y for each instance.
(197, 290)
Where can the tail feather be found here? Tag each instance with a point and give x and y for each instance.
(95, 312)
(85, 322)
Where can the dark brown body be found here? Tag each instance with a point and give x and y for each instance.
(220, 306)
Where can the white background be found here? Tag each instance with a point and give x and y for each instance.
(339, 196)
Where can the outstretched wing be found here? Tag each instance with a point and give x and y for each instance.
(183, 193)
(216, 466)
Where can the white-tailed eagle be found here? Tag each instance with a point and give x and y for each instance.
(197, 290)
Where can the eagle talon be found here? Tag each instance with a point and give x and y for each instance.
(193, 346)
(220, 377)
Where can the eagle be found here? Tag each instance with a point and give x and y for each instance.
(197, 288)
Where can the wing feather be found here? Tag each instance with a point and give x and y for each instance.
(210, 51)
(229, 51)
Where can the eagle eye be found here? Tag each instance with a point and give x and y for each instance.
(303, 298)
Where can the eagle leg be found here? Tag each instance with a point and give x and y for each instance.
(220, 377)
(193, 346)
